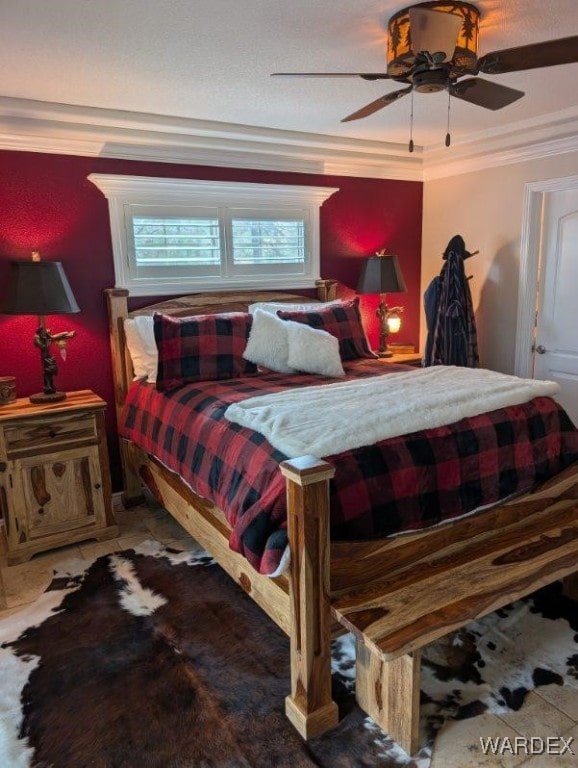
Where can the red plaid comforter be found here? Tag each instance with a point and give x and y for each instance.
(400, 484)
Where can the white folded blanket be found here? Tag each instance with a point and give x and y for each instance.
(328, 419)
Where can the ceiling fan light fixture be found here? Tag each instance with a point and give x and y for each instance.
(400, 54)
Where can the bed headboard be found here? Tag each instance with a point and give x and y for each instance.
(183, 306)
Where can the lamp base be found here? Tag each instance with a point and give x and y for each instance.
(387, 353)
(43, 397)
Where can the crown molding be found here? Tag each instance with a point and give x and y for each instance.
(36, 126)
(534, 139)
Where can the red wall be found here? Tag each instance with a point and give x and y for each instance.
(47, 204)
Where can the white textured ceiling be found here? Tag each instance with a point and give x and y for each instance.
(212, 59)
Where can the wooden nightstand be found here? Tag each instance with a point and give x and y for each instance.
(54, 474)
(412, 358)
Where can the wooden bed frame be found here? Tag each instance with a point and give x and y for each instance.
(396, 595)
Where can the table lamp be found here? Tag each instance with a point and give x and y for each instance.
(382, 274)
(41, 288)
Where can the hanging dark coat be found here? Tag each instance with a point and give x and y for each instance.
(452, 338)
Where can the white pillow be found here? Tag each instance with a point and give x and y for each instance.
(140, 339)
(312, 350)
(274, 306)
(268, 344)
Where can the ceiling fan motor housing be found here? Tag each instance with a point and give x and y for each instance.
(430, 81)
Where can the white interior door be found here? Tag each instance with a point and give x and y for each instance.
(556, 337)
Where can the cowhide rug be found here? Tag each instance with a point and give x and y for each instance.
(155, 659)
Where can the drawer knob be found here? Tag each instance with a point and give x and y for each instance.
(51, 433)
(97, 486)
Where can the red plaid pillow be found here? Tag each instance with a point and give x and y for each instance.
(201, 348)
(341, 320)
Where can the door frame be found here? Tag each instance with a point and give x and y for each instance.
(532, 260)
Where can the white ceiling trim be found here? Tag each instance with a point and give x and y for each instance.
(35, 126)
(62, 128)
(528, 140)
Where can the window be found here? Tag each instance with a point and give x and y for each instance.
(179, 235)
(160, 242)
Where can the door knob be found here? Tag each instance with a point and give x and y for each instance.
(541, 349)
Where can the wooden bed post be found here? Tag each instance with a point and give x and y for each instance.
(309, 707)
(122, 369)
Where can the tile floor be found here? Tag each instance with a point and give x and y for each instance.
(549, 711)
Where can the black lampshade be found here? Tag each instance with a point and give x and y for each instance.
(38, 288)
(381, 274)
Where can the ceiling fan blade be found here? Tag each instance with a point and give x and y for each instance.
(547, 54)
(378, 104)
(434, 31)
(484, 93)
(363, 75)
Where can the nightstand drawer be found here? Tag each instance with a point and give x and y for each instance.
(47, 435)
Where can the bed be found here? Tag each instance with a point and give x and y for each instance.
(395, 593)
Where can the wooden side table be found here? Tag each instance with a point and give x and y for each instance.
(412, 358)
(54, 474)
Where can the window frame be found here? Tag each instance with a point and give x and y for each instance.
(125, 194)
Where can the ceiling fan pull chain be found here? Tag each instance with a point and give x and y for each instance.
(448, 137)
(411, 125)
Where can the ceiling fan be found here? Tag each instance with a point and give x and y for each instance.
(432, 46)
